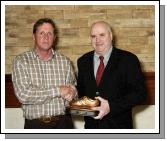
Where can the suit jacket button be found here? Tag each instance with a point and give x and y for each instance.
(97, 93)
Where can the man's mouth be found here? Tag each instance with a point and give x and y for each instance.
(99, 44)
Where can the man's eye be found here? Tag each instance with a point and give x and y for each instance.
(50, 34)
(42, 33)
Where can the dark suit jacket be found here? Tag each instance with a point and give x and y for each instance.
(122, 84)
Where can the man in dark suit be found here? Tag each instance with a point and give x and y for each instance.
(115, 79)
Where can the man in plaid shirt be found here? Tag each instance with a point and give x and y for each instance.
(44, 81)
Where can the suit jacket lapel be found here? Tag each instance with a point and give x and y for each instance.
(91, 70)
(109, 69)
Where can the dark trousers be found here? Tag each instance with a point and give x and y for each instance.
(63, 123)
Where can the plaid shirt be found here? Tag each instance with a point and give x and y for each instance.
(36, 83)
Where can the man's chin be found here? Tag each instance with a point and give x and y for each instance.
(46, 47)
(99, 48)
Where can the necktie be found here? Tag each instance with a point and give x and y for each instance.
(100, 70)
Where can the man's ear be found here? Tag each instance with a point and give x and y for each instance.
(111, 35)
(33, 36)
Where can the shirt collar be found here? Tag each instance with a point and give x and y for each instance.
(106, 56)
(36, 55)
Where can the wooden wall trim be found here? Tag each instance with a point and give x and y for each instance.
(150, 84)
(10, 99)
(12, 102)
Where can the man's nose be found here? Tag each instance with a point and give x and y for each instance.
(97, 39)
(46, 36)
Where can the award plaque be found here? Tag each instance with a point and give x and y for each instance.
(83, 112)
(83, 107)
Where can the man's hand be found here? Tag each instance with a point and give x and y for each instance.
(68, 92)
(103, 109)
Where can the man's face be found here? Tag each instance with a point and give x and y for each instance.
(44, 37)
(101, 38)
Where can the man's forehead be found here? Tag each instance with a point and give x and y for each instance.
(102, 25)
(99, 28)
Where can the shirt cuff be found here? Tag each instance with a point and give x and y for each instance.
(56, 92)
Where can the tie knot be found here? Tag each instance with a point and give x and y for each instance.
(101, 58)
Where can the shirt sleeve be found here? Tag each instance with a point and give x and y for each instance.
(70, 79)
(25, 91)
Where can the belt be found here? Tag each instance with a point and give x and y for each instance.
(48, 119)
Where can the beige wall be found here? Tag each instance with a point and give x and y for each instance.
(133, 28)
